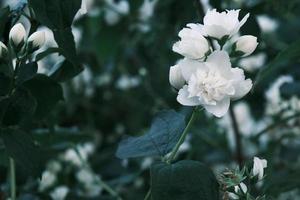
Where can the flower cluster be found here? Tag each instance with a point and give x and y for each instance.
(20, 43)
(205, 76)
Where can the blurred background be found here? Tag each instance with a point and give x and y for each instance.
(126, 49)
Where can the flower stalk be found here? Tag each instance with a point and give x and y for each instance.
(12, 172)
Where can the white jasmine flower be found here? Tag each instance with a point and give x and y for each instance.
(175, 77)
(258, 167)
(115, 10)
(59, 193)
(192, 44)
(253, 62)
(246, 44)
(17, 34)
(54, 166)
(85, 176)
(48, 180)
(146, 10)
(37, 39)
(266, 23)
(3, 50)
(212, 83)
(218, 25)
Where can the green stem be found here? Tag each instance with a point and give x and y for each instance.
(182, 138)
(13, 186)
(105, 186)
(148, 194)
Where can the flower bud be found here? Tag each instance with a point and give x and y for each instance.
(37, 39)
(258, 167)
(3, 50)
(246, 44)
(175, 77)
(17, 34)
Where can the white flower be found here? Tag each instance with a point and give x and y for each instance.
(246, 44)
(59, 193)
(258, 167)
(48, 179)
(17, 34)
(175, 77)
(3, 50)
(218, 25)
(253, 62)
(114, 11)
(192, 44)
(37, 39)
(212, 83)
(267, 24)
(146, 10)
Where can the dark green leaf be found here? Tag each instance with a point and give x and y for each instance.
(5, 84)
(47, 52)
(164, 133)
(21, 148)
(47, 93)
(4, 16)
(64, 71)
(286, 57)
(26, 72)
(184, 180)
(21, 107)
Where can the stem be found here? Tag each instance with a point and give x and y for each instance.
(148, 194)
(182, 138)
(105, 186)
(13, 186)
(237, 134)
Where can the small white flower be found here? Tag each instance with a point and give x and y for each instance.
(192, 44)
(212, 83)
(3, 50)
(175, 77)
(246, 44)
(258, 167)
(48, 179)
(146, 10)
(59, 193)
(37, 39)
(17, 34)
(266, 23)
(218, 25)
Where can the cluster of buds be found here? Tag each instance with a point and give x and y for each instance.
(18, 40)
(236, 183)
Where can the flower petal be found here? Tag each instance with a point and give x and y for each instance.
(184, 99)
(189, 67)
(220, 109)
(221, 61)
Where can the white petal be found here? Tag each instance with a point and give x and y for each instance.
(216, 31)
(221, 61)
(188, 67)
(175, 77)
(184, 99)
(242, 22)
(220, 109)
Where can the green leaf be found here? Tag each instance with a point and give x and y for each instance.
(47, 52)
(184, 180)
(26, 72)
(22, 149)
(164, 133)
(64, 70)
(58, 15)
(286, 57)
(55, 14)
(47, 93)
(21, 107)
(4, 16)
(5, 84)
(4, 102)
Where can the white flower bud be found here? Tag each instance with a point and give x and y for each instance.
(246, 44)
(175, 77)
(3, 50)
(258, 167)
(242, 186)
(37, 39)
(17, 34)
